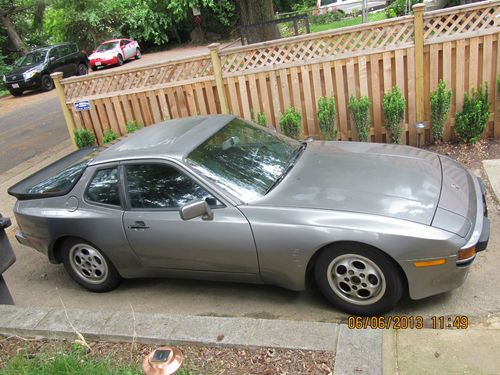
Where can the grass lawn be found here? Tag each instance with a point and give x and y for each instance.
(3, 92)
(372, 17)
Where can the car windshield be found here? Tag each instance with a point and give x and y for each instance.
(244, 159)
(107, 46)
(32, 58)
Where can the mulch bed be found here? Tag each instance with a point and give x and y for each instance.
(198, 359)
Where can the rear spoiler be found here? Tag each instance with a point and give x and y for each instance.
(21, 189)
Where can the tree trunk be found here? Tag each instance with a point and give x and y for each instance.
(38, 16)
(11, 32)
(257, 11)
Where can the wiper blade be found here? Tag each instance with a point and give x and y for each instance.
(291, 162)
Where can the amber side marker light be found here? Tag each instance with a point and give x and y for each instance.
(163, 361)
(429, 263)
(466, 253)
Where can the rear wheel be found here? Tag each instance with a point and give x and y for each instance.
(138, 54)
(89, 266)
(359, 279)
(82, 70)
(46, 83)
(120, 60)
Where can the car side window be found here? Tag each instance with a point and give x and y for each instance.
(55, 53)
(162, 186)
(104, 187)
(123, 43)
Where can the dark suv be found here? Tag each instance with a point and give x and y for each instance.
(32, 71)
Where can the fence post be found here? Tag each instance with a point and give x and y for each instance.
(418, 19)
(70, 123)
(214, 53)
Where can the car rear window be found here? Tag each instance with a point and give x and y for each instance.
(56, 179)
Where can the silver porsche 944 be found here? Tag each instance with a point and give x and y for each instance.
(219, 198)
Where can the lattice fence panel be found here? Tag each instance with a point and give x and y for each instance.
(461, 21)
(381, 35)
(137, 79)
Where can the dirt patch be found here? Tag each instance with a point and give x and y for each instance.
(198, 359)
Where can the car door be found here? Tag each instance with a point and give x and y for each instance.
(154, 192)
(56, 60)
(129, 48)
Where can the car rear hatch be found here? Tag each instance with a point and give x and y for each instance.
(56, 179)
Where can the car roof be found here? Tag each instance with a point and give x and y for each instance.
(114, 40)
(172, 139)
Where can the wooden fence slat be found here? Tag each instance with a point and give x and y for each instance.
(459, 76)
(376, 97)
(244, 97)
(172, 103)
(496, 128)
(210, 98)
(327, 73)
(191, 103)
(134, 99)
(121, 122)
(412, 112)
(363, 76)
(266, 103)
(341, 101)
(473, 63)
(277, 110)
(386, 60)
(309, 105)
(155, 109)
(146, 111)
(165, 113)
(254, 96)
(233, 97)
(351, 91)
(285, 91)
(447, 66)
(434, 66)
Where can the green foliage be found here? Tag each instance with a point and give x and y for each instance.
(75, 361)
(394, 105)
(326, 118)
(109, 136)
(88, 22)
(290, 123)
(328, 17)
(84, 138)
(440, 109)
(471, 122)
(301, 6)
(360, 114)
(259, 118)
(398, 8)
(133, 126)
(498, 84)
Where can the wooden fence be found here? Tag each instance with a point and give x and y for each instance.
(459, 45)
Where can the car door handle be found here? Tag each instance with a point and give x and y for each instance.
(138, 225)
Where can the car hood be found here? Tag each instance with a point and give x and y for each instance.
(100, 55)
(396, 181)
(22, 69)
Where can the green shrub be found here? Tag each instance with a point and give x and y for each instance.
(471, 122)
(360, 114)
(328, 17)
(133, 126)
(290, 123)
(398, 8)
(109, 136)
(259, 118)
(326, 118)
(440, 109)
(394, 105)
(84, 138)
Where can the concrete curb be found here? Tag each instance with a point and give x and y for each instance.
(168, 329)
(357, 351)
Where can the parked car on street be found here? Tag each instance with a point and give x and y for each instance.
(32, 71)
(114, 52)
(218, 198)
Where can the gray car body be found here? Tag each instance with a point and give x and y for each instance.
(409, 203)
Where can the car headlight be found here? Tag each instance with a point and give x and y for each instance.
(30, 74)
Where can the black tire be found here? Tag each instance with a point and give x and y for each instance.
(82, 70)
(16, 92)
(120, 60)
(138, 54)
(381, 270)
(104, 278)
(46, 83)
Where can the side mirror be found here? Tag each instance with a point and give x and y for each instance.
(52, 59)
(195, 209)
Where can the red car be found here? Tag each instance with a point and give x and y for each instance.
(114, 52)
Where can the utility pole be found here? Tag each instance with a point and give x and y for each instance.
(364, 11)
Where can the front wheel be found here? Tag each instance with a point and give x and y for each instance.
(89, 267)
(120, 60)
(46, 83)
(359, 279)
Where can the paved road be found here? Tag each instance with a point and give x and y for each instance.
(34, 123)
(29, 125)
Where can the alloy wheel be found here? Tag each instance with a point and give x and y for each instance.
(88, 263)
